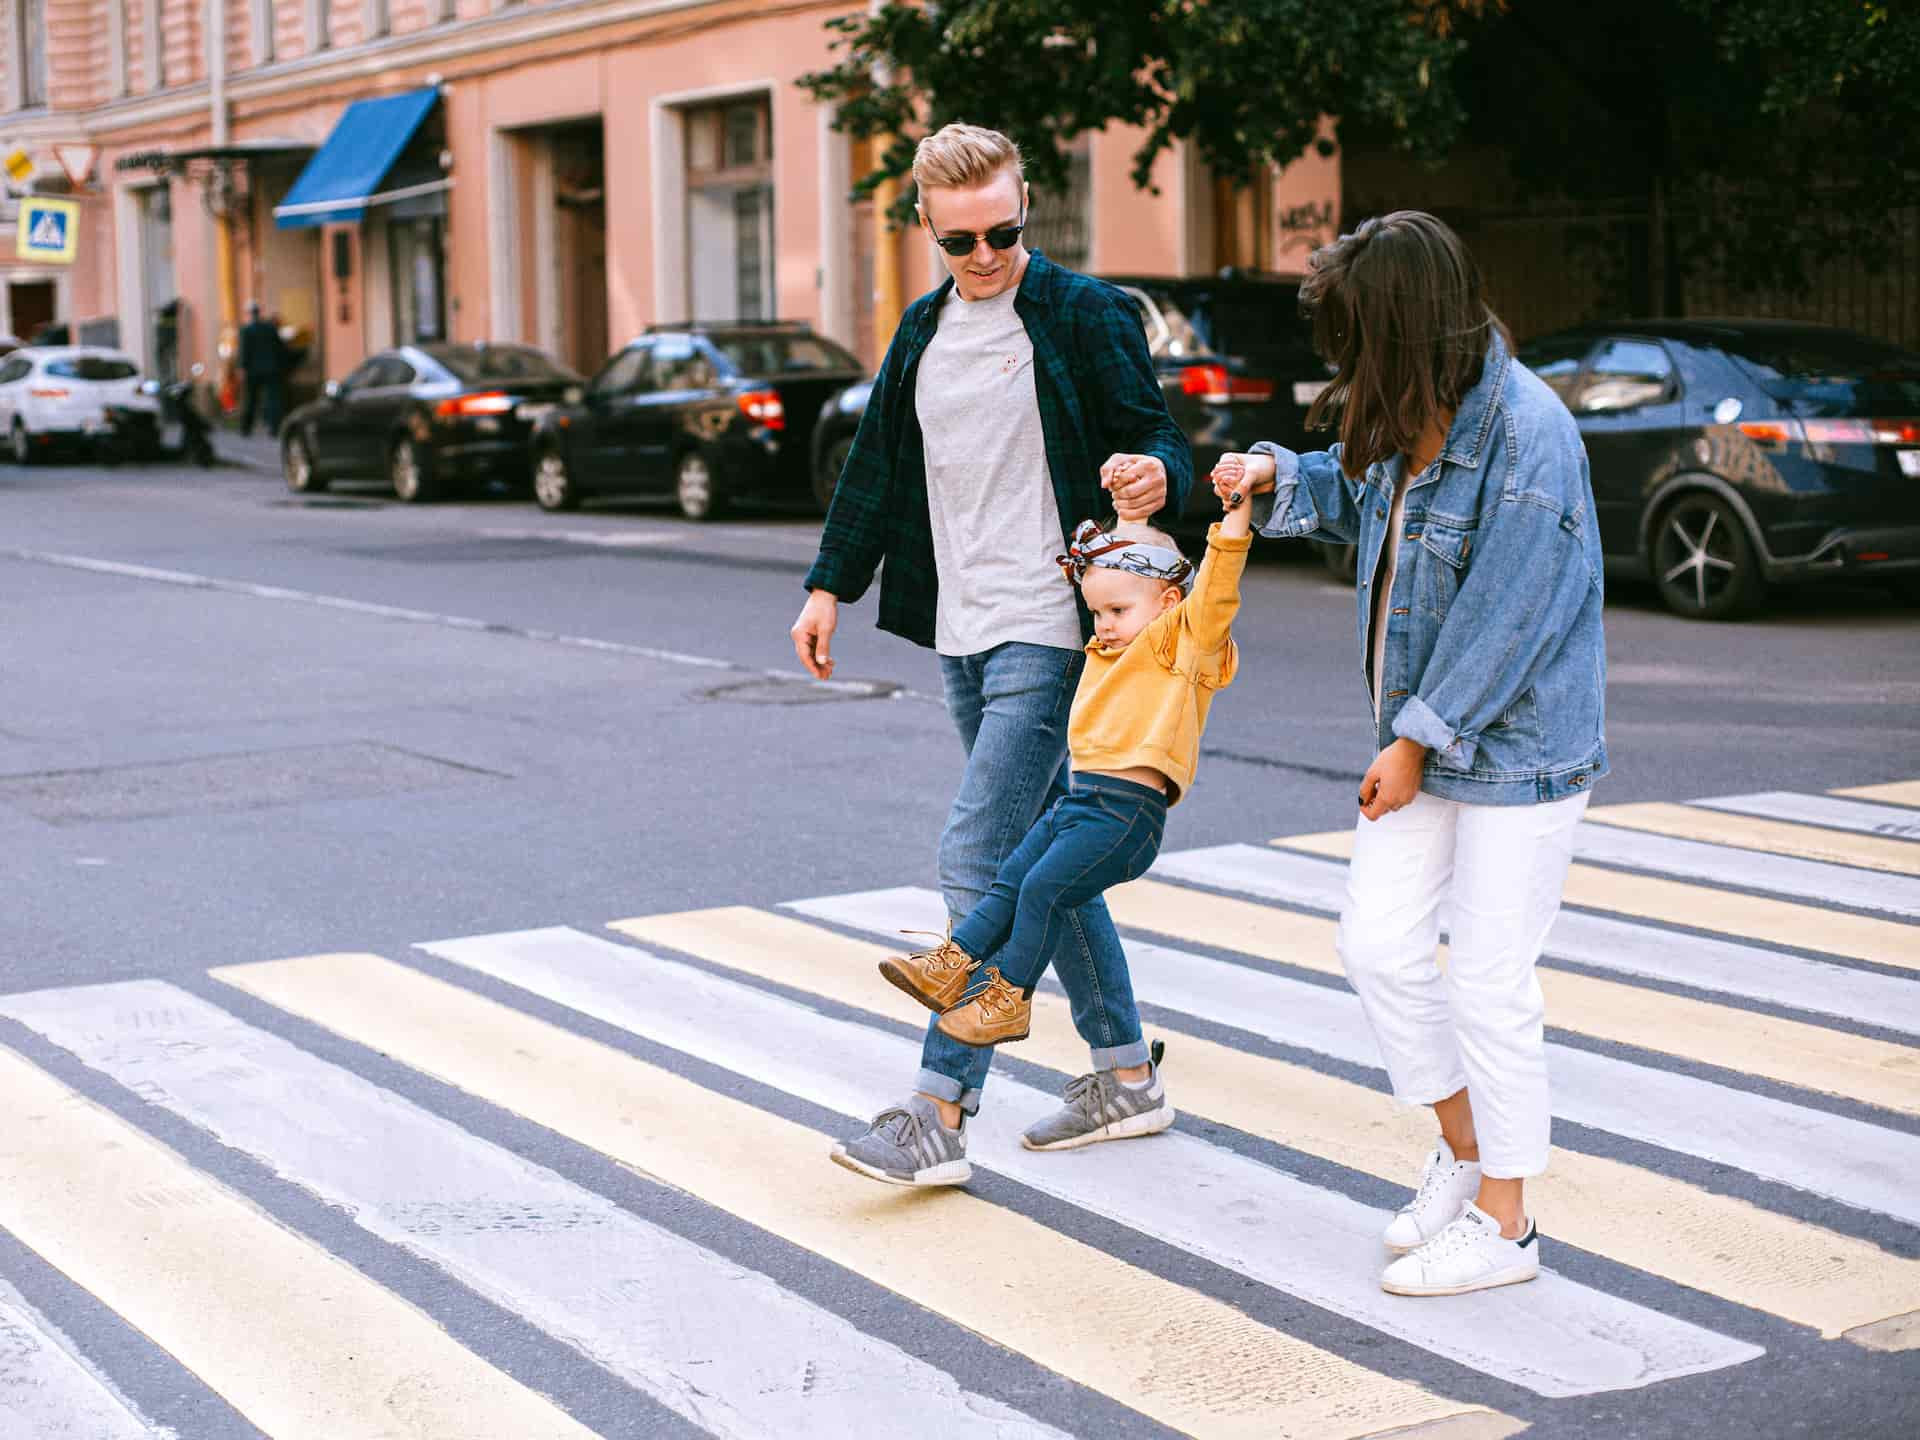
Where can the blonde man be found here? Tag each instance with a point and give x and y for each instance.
(1015, 398)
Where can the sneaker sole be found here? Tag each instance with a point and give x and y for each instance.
(1492, 1282)
(1132, 1128)
(903, 982)
(954, 1172)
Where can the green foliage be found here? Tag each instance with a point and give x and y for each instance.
(1245, 80)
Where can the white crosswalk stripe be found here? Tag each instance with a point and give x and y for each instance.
(48, 1392)
(1750, 869)
(1859, 816)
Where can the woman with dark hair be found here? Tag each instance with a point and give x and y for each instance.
(1463, 482)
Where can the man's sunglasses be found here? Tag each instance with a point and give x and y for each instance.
(1001, 237)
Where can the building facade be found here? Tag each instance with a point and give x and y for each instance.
(587, 167)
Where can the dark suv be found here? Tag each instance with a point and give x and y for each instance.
(708, 413)
(1235, 360)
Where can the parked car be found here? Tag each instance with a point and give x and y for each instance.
(1236, 364)
(55, 400)
(706, 413)
(431, 418)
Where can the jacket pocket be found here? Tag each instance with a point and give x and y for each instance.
(1443, 567)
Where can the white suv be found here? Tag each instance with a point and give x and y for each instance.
(57, 397)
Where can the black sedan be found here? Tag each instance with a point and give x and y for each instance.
(430, 418)
(706, 413)
(1728, 456)
(1235, 364)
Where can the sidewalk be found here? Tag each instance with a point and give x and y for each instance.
(258, 451)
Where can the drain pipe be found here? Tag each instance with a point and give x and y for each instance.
(221, 194)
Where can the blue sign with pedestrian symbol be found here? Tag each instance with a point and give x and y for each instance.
(49, 229)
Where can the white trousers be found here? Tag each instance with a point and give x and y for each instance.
(1479, 1024)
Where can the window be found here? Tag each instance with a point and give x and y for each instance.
(769, 355)
(678, 364)
(263, 26)
(30, 44)
(367, 376)
(1060, 222)
(13, 370)
(628, 373)
(1625, 374)
(729, 149)
(92, 367)
(1557, 361)
(476, 364)
(379, 18)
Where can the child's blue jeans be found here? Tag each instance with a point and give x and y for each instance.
(1103, 833)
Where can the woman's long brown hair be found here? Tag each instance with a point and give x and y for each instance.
(1399, 310)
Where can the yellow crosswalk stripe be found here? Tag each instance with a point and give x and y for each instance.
(1701, 907)
(1900, 792)
(295, 1340)
(1168, 1352)
(1777, 837)
(1790, 1051)
(1717, 1243)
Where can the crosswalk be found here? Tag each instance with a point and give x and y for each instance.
(611, 1145)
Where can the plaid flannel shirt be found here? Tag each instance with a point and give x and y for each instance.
(1098, 393)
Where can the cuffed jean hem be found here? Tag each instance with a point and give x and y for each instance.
(945, 1087)
(1123, 1057)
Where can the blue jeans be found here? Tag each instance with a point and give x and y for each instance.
(1010, 705)
(1105, 833)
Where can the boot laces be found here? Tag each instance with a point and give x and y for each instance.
(944, 956)
(1000, 997)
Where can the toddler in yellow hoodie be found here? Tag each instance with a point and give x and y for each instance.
(1158, 654)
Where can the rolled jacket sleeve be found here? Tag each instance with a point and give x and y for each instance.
(1529, 566)
(1311, 495)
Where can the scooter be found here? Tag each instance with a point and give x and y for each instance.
(171, 428)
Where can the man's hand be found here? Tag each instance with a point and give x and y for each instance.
(1137, 483)
(1393, 779)
(1244, 475)
(813, 633)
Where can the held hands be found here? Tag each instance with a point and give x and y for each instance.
(1137, 483)
(813, 633)
(1393, 779)
(1237, 475)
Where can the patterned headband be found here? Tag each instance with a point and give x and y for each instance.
(1093, 547)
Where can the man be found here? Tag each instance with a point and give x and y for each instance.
(263, 361)
(1012, 361)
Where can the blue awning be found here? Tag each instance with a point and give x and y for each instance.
(352, 169)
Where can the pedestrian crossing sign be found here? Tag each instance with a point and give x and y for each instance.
(49, 229)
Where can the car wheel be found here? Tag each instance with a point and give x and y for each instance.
(697, 488)
(1703, 561)
(296, 464)
(1342, 561)
(22, 443)
(407, 469)
(553, 487)
(827, 476)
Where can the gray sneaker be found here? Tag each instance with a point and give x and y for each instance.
(1099, 1107)
(907, 1145)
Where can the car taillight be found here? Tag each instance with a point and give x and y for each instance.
(48, 394)
(763, 407)
(1832, 432)
(1216, 385)
(487, 402)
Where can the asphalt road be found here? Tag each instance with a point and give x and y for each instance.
(237, 725)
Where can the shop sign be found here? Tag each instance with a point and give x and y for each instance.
(49, 229)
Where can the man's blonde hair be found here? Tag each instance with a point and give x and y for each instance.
(961, 157)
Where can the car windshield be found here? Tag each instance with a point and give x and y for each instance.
(484, 364)
(770, 355)
(1832, 375)
(92, 367)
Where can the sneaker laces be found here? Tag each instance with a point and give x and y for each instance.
(1090, 1093)
(1431, 1179)
(908, 1126)
(1460, 1234)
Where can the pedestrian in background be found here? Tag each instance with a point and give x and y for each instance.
(1014, 399)
(1463, 481)
(264, 362)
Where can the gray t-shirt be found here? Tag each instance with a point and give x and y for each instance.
(1383, 588)
(996, 527)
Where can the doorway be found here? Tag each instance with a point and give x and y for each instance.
(31, 304)
(579, 256)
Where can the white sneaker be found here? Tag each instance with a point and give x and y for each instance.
(1446, 1184)
(1470, 1254)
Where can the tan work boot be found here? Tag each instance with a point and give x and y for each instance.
(997, 1014)
(937, 978)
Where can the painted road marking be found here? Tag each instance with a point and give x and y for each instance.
(1887, 821)
(1858, 1164)
(1709, 822)
(1703, 961)
(1715, 1243)
(1900, 792)
(1161, 1349)
(1555, 1338)
(1755, 869)
(49, 1392)
(296, 1340)
(576, 1265)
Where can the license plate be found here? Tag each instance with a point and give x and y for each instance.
(534, 414)
(1910, 462)
(487, 425)
(1305, 392)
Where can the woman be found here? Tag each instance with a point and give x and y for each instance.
(1462, 479)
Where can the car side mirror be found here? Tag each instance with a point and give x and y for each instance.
(150, 387)
(332, 390)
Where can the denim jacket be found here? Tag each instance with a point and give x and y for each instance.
(1494, 655)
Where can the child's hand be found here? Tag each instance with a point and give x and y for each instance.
(1237, 476)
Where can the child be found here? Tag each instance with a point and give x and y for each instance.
(1157, 656)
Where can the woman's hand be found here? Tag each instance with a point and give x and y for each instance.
(1243, 475)
(1393, 779)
